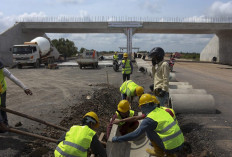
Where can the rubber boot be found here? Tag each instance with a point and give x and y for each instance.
(157, 151)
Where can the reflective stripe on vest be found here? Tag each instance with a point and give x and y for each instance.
(127, 68)
(119, 117)
(77, 141)
(63, 153)
(167, 129)
(2, 82)
(128, 88)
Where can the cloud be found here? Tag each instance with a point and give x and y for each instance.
(219, 9)
(70, 1)
(153, 6)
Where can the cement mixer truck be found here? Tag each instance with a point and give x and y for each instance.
(37, 51)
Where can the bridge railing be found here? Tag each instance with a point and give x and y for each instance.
(201, 19)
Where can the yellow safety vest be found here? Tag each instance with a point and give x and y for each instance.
(115, 57)
(127, 68)
(77, 141)
(167, 129)
(128, 88)
(2, 84)
(119, 117)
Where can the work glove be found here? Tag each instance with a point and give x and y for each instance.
(28, 91)
(114, 139)
(159, 92)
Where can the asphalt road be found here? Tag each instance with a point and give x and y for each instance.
(216, 79)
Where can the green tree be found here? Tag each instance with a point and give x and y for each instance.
(65, 47)
(82, 50)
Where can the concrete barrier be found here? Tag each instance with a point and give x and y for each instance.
(192, 103)
(187, 91)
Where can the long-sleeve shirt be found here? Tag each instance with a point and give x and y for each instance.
(147, 126)
(161, 74)
(9, 75)
(95, 146)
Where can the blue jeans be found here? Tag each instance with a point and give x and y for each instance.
(3, 115)
(163, 100)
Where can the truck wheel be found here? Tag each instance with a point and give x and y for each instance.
(19, 66)
(37, 64)
(80, 66)
(94, 65)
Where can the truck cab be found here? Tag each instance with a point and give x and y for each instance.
(26, 54)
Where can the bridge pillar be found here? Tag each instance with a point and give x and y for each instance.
(13, 36)
(129, 34)
(225, 47)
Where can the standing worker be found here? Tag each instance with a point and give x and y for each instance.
(161, 72)
(115, 57)
(129, 89)
(4, 72)
(79, 139)
(160, 127)
(127, 67)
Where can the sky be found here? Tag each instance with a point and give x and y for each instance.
(12, 10)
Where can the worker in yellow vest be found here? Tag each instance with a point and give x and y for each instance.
(115, 57)
(129, 89)
(79, 139)
(3, 87)
(127, 67)
(122, 112)
(163, 132)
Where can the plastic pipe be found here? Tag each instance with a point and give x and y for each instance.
(180, 86)
(187, 91)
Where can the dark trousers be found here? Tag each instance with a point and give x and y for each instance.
(125, 77)
(3, 115)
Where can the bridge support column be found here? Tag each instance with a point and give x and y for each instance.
(129, 34)
(225, 47)
(13, 36)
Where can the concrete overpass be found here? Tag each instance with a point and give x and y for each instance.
(219, 46)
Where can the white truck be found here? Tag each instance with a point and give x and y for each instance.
(37, 51)
(88, 58)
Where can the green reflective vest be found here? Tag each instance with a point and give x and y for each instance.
(127, 68)
(128, 88)
(119, 117)
(167, 129)
(2, 82)
(115, 57)
(77, 141)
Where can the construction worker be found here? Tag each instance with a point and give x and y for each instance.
(161, 72)
(163, 132)
(140, 117)
(129, 89)
(122, 112)
(79, 139)
(3, 87)
(127, 67)
(115, 57)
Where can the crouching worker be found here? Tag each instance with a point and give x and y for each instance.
(79, 139)
(123, 112)
(160, 127)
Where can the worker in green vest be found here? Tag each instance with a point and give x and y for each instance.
(79, 139)
(129, 89)
(160, 127)
(127, 67)
(115, 57)
(123, 112)
(3, 87)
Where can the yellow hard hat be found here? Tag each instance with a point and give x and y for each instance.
(125, 55)
(115, 52)
(139, 90)
(155, 100)
(123, 106)
(94, 116)
(144, 99)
